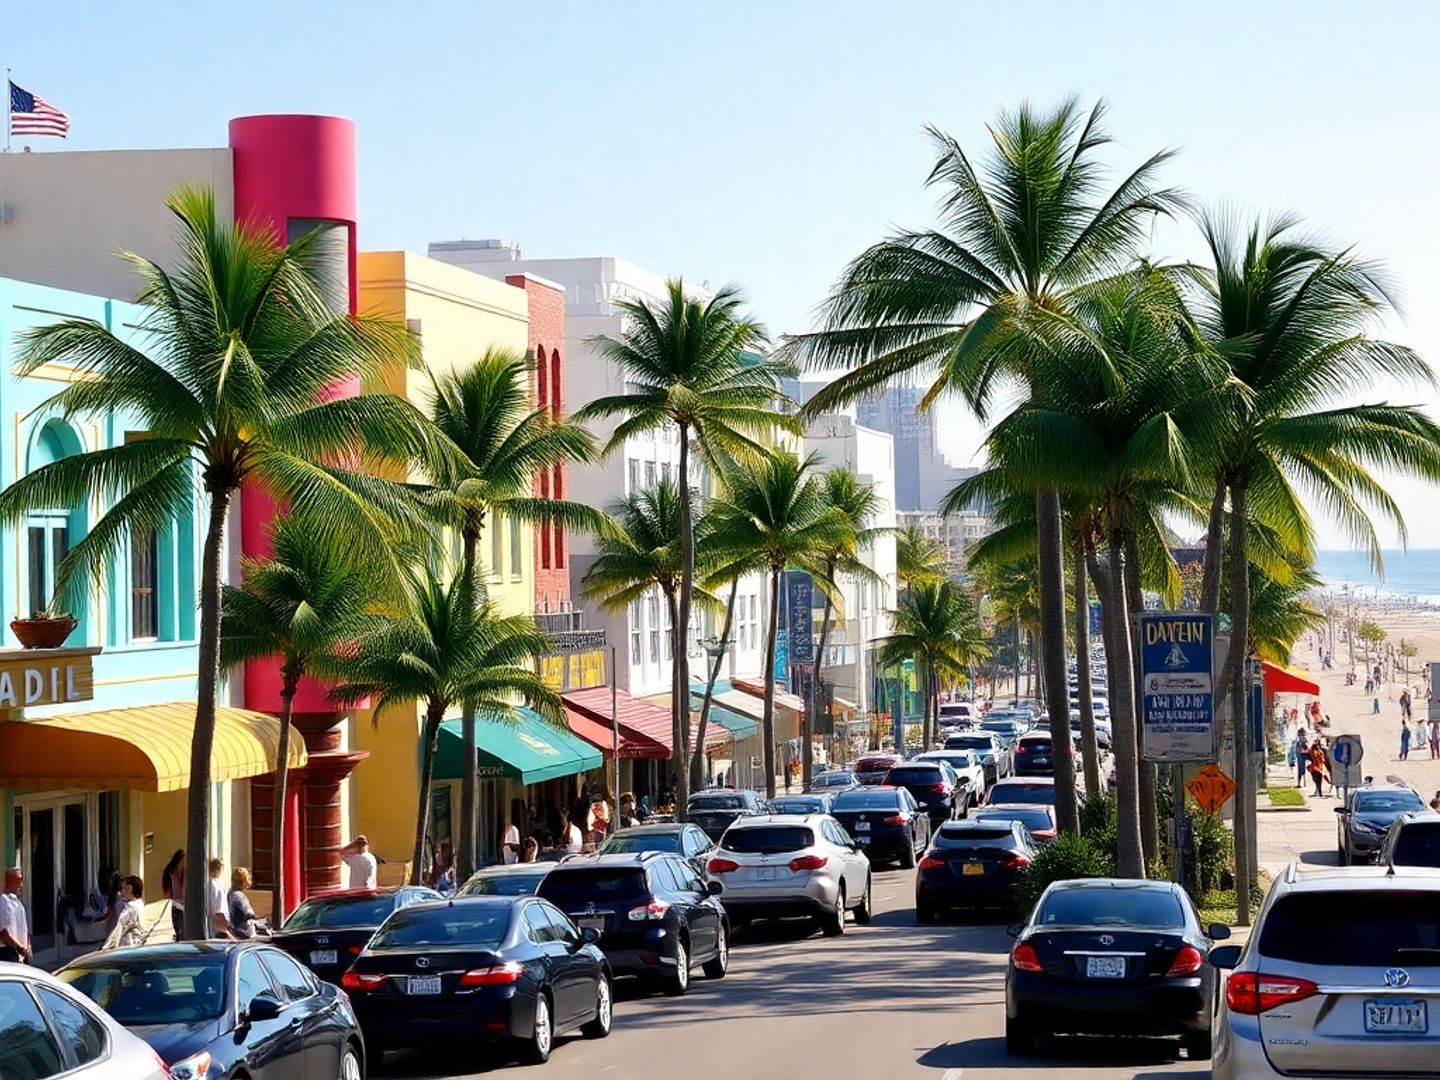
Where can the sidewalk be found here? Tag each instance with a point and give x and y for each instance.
(1284, 834)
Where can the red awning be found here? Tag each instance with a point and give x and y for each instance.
(597, 733)
(643, 719)
(1282, 680)
(783, 698)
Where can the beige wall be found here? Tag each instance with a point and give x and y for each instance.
(70, 212)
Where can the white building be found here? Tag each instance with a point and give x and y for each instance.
(954, 533)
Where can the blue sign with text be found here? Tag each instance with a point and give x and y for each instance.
(800, 604)
(782, 658)
(1177, 693)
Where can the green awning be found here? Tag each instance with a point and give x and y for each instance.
(528, 749)
(739, 726)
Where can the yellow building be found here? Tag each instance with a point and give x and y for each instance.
(458, 315)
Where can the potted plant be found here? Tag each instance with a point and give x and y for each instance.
(44, 629)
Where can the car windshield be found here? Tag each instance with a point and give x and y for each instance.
(717, 802)
(1034, 820)
(153, 990)
(326, 913)
(470, 926)
(1418, 845)
(834, 779)
(768, 839)
(1090, 906)
(1386, 802)
(512, 883)
(916, 775)
(1350, 928)
(1011, 792)
(666, 842)
(799, 806)
(568, 885)
(866, 800)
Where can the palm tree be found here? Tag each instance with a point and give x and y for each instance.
(242, 347)
(918, 559)
(688, 364)
(1292, 319)
(501, 442)
(1019, 238)
(444, 645)
(300, 605)
(939, 627)
(773, 517)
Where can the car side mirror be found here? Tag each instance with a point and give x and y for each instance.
(1218, 932)
(1342, 810)
(1015, 929)
(1225, 957)
(714, 888)
(262, 1007)
(589, 935)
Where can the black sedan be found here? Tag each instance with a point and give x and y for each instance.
(1367, 816)
(327, 932)
(226, 1010)
(972, 864)
(495, 968)
(687, 841)
(886, 822)
(1111, 956)
(934, 786)
(713, 811)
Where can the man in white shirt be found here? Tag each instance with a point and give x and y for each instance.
(362, 864)
(14, 926)
(216, 909)
(510, 846)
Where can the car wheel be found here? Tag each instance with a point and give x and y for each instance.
(599, 1027)
(716, 968)
(907, 856)
(350, 1065)
(924, 913)
(536, 1049)
(1197, 1045)
(833, 923)
(864, 910)
(678, 983)
(1019, 1039)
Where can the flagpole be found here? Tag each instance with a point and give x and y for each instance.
(7, 110)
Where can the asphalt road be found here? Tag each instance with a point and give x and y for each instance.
(889, 1000)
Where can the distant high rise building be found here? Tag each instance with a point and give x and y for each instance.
(922, 475)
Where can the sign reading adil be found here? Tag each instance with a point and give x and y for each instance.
(1177, 693)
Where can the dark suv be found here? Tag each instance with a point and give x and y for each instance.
(654, 914)
(1367, 816)
(1414, 840)
(327, 932)
(713, 811)
(934, 786)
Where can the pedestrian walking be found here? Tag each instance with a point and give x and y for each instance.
(1318, 767)
(356, 855)
(241, 913)
(217, 914)
(172, 886)
(510, 843)
(1405, 704)
(1302, 756)
(1404, 741)
(129, 929)
(1375, 706)
(571, 838)
(14, 926)
(532, 850)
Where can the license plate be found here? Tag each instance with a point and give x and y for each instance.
(973, 869)
(322, 956)
(429, 984)
(593, 922)
(862, 826)
(1105, 967)
(1396, 1017)
(1042, 761)
(765, 873)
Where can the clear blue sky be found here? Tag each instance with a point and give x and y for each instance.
(768, 142)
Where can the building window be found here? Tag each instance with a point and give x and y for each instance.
(633, 476)
(144, 584)
(649, 474)
(665, 471)
(540, 376)
(497, 546)
(48, 541)
(635, 632)
(556, 403)
(669, 639)
(516, 550)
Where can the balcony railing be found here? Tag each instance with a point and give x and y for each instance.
(560, 622)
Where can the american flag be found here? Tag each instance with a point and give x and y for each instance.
(33, 115)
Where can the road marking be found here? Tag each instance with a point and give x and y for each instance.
(952, 1074)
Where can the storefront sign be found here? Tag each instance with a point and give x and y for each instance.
(1177, 699)
(30, 677)
(800, 604)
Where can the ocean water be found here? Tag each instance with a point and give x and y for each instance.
(1412, 574)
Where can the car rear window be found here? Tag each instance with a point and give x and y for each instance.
(515, 883)
(768, 839)
(666, 842)
(956, 761)
(798, 806)
(952, 837)
(968, 742)
(865, 800)
(1009, 792)
(1041, 746)
(152, 990)
(1354, 929)
(872, 764)
(916, 774)
(717, 802)
(1387, 802)
(567, 885)
(835, 779)
(1034, 820)
(1418, 845)
(327, 914)
(471, 926)
(1111, 907)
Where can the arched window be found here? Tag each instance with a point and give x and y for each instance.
(555, 396)
(51, 532)
(540, 374)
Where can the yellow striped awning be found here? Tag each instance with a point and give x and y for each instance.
(142, 748)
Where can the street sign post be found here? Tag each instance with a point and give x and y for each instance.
(1211, 788)
(1345, 754)
(1177, 701)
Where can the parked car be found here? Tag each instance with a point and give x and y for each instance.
(960, 713)
(1038, 819)
(834, 780)
(1103, 956)
(1020, 791)
(793, 864)
(713, 811)
(971, 864)
(871, 769)
(1366, 817)
(48, 1029)
(1413, 840)
(886, 822)
(654, 915)
(817, 802)
(481, 968)
(966, 766)
(995, 755)
(1103, 737)
(690, 842)
(213, 1009)
(327, 931)
(1035, 755)
(1338, 978)
(1006, 729)
(507, 879)
(935, 787)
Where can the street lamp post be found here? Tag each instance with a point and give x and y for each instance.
(714, 648)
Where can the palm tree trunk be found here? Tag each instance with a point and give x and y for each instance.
(697, 762)
(922, 683)
(1239, 699)
(202, 741)
(934, 708)
(429, 736)
(817, 694)
(767, 726)
(1089, 744)
(1130, 854)
(1214, 552)
(679, 758)
(282, 781)
(1051, 558)
(1016, 694)
(682, 631)
(1149, 808)
(466, 857)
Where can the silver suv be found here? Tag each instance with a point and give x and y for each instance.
(1340, 977)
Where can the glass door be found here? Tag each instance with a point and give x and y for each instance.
(56, 857)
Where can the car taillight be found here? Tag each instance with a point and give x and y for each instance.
(1015, 862)
(942, 788)
(898, 819)
(722, 866)
(808, 862)
(1187, 961)
(1250, 993)
(195, 1067)
(364, 982)
(505, 974)
(932, 862)
(651, 912)
(357, 948)
(1044, 834)
(1025, 959)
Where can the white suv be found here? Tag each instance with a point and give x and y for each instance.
(1340, 977)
